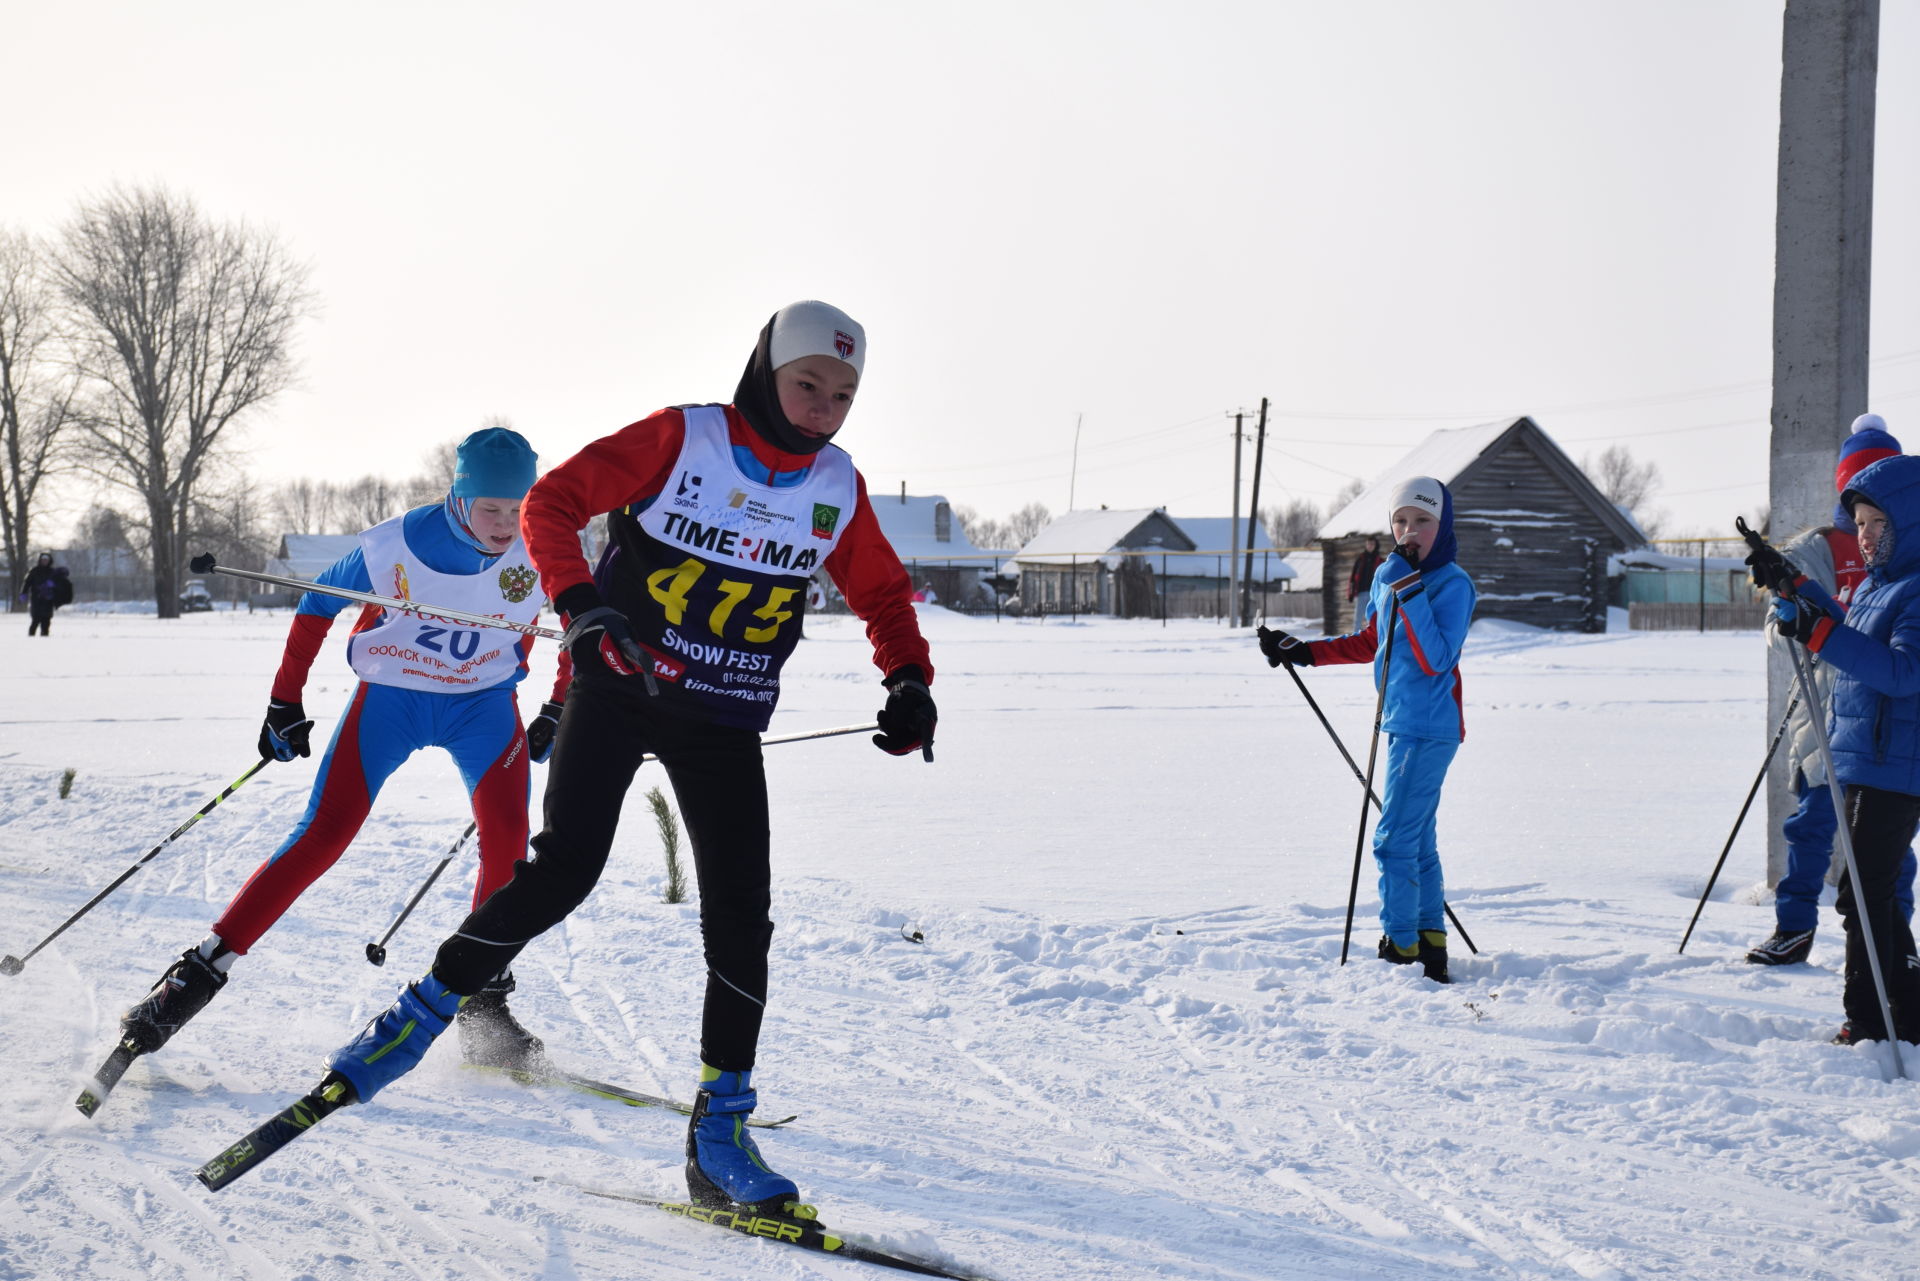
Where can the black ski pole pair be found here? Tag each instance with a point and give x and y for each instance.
(1758, 779)
(377, 952)
(1366, 783)
(11, 965)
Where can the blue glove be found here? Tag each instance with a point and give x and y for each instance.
(283, 735)
(540, 732)
(1802, 621)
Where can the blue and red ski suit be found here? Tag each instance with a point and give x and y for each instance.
(1424, 721)
(384, 725)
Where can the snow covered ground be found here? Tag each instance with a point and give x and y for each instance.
(1124, 1049)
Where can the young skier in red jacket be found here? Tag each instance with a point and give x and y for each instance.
(719, 515)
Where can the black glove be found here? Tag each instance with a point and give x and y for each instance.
(540, 732)
(1282, 648)
(599, 635)
(283, 736)
(1771, 571)
(907, 721)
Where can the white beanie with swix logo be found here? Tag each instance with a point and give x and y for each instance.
(1421, 491)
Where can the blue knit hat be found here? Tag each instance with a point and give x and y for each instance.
(1866, 444)
(494, 462)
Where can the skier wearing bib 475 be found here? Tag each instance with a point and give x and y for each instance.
(423, 683)
(719, 516)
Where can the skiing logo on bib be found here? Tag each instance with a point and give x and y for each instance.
(824, 519)
(400, 581)
(517, 583)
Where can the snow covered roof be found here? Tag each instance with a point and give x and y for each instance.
(912, 524)
(1451, 454)
(1307, 570)
(1443, 455)
(1096, 531)
(1215, 534)
(304, 555)
(1648, 558)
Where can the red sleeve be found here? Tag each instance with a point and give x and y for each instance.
(868, 573)
(562, 677)
(1356, 647)
(304, 639)
(613, 471)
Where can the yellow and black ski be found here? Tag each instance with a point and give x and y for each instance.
(805, 1233)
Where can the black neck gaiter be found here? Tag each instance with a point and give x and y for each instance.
(759, 403)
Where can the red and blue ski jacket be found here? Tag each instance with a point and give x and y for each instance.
(1424, 698)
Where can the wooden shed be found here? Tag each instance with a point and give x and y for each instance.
(1534, 532)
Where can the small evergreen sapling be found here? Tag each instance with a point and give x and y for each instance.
(670, 841)
(66, 782)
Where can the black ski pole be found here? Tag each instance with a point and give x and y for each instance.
(1758, 779)
(1801, 669)
(1816, 713)
(1362, 780)
(1373, 752)
(377, 952)
(14, 964)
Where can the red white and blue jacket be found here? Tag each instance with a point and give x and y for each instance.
(1424, 698)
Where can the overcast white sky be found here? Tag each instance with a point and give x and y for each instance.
(1388, 217)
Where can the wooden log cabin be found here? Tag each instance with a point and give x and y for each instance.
(1534, 532)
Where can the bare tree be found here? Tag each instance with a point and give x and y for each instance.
(181, 325)
(1027, 522)
(430, 485)
(1626, 482)
(305, 506)
(1295, 525)
(229, 520)
(36, 402)
(365, 502)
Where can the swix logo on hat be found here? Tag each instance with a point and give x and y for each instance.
(843, 343)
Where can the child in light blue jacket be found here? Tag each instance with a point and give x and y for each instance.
(1428, 600)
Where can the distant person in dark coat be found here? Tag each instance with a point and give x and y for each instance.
(1360, 582)
(38, 591)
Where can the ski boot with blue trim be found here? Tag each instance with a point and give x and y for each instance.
(390, 1046)
(724, 1167)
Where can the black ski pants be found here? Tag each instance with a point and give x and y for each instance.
(719, 780)
(1882, 826)
(39, 620)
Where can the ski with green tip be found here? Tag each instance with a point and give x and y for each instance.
(105, 1078)
(286, 1125)
(618, 1093)
(805, 1233)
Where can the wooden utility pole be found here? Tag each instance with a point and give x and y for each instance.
(1253, 519)
(1823, 259)
(1233, 528)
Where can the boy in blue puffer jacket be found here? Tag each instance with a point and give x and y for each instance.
(1429, 600)
(1875, 728)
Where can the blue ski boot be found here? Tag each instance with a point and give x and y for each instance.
(724, 1168)
(393, 1043)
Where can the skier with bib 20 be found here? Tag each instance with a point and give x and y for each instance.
(423, 683)
(719, 514)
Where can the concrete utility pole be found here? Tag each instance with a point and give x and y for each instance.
(1823, 258)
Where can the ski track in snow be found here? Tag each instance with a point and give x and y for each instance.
(1124, 1049)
